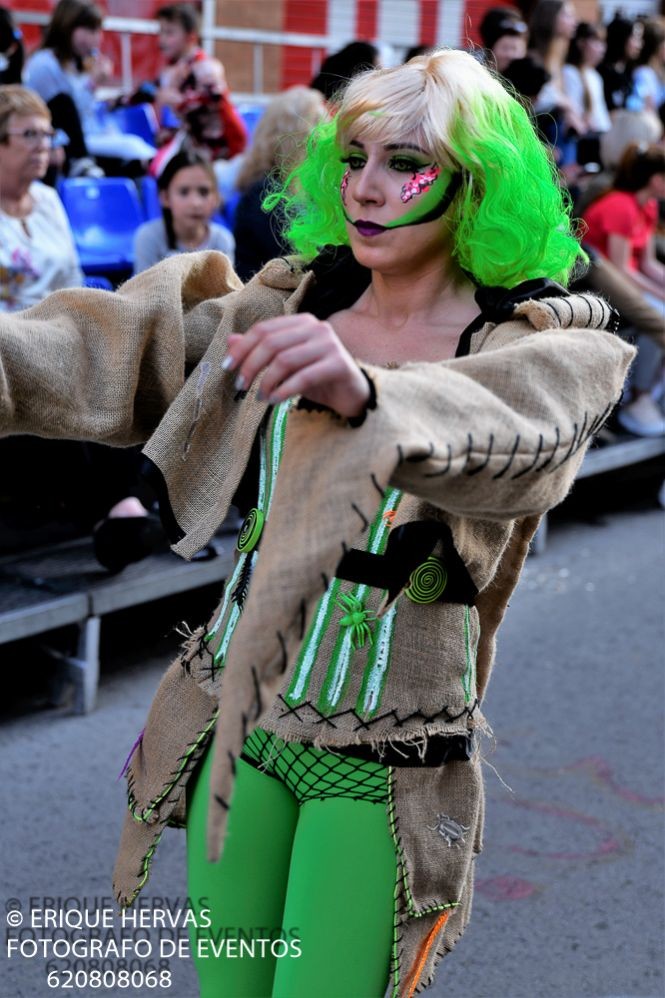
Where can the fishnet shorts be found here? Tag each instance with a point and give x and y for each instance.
(316, 774)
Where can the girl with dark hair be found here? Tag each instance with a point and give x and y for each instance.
(552, 27)
(189, 198)
(622, 226)
(65, 72)
(582, 83)
(12, 52)
(624, 44)
(649, 74)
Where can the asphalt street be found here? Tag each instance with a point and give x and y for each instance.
(569, 888)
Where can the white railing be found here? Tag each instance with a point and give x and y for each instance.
(126, 27)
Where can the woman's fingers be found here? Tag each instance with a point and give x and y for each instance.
(287, 362)
(265, 351)
(250, 353)
(300, 355)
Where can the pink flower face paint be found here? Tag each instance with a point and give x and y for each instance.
(421, 181)
(343, 186)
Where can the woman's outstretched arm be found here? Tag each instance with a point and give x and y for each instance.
(95, 365)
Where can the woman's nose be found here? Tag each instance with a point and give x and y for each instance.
(368, 185)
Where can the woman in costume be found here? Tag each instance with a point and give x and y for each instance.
(413, 389)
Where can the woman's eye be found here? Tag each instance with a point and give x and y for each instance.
(354, 162)
(404, 164)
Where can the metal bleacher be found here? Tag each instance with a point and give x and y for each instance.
(63, 584)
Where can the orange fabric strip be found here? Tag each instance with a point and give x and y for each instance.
(426, 947)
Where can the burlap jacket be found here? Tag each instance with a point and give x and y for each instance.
(484, 443)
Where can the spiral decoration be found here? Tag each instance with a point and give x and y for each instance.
(427, 582)
(250, 531)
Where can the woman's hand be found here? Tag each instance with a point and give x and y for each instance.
(299, 355)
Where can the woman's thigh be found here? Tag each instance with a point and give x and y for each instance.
(245, 889)
(339, 902)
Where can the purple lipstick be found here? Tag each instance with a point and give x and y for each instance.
(369, 229)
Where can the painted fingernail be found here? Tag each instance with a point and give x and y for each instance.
(260, 396)
(240, 383)
(274, 400)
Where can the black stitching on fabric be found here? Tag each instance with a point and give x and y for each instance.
(481, 467)
(572, 313)
(303, 618)
(556, 447)
(221, 802)
(282, 644)
(552, 309)
(508, 463)
(604, 306)
(583, 435)
(469, 448)
(257, 692)
(444, 713)
(239, 594)
(588, 304)
(568, 452)
(239, 396)
(444, 471)
(525, 471)
(376, 485)
(232, 761)
(416, 458)
(362, 516)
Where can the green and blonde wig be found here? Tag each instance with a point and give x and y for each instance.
(509, 222)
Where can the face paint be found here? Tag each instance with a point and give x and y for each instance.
(344, 185)
(421, 181)
(434, 190)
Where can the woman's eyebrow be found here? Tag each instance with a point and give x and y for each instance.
(405, 145)
(393, 146)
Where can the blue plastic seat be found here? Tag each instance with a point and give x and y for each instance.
(137, 119)
(150, 198)
(104, 214)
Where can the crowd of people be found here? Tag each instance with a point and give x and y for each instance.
(596, 94)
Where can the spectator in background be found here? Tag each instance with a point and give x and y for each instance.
(279, 144)
(210, 125)
(12, 52)
(553, 25)
(649, 73)
(340, 67)
(624, 44)
(504, 35)
(621, 225)
(582, 82)
(37, 253)
(189, 198)
(65, 72)
(193, 87)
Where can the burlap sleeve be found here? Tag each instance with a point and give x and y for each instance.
(501, 434)
(95, 365)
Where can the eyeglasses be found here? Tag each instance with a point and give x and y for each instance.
(34, 136)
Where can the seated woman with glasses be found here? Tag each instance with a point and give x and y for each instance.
(37, 252)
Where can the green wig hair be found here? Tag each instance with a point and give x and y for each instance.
(510, 220)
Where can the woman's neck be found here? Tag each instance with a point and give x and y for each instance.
(556, 55)
(15, 196)
(191, 236)
(433, 295)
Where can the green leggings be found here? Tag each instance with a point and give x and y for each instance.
(308, 861)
